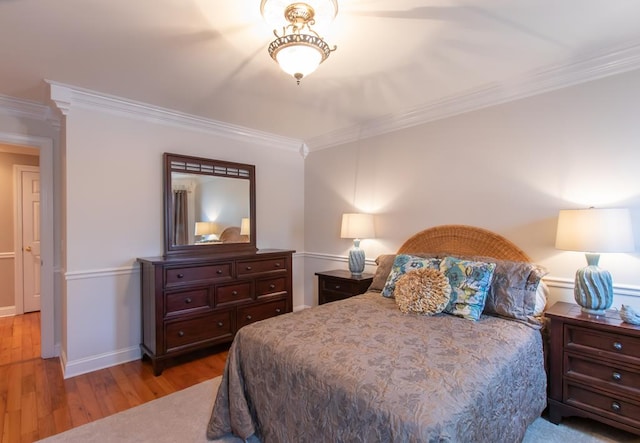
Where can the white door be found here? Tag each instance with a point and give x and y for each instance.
(31, 240)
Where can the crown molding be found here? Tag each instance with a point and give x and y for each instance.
(66, 97)
(604, 64)
(28, 109)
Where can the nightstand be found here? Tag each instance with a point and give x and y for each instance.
(340, 284)
(594, 367)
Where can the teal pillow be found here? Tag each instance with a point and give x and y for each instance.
(404, 263)
(470, 282)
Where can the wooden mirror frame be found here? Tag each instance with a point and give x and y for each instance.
(218, 168)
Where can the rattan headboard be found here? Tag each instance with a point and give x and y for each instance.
(463, 240)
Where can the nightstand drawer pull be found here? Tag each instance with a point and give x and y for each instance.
(615, 406)
(617, 346)
(188, 300)
(616, 376)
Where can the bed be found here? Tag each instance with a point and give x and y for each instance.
(360, 370)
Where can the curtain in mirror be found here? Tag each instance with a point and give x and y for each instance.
(180, 218)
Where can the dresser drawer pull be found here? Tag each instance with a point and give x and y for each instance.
(272, 286)
(249, 317)
(219, 271)
(616, 376)
(337, 286)
(188, 300)
(615, 406)
(180, 275)
(180, 333)
(220, 324)
(278, 310)
(617, 346)
(249, 268)
(277, 265)
(234, 292)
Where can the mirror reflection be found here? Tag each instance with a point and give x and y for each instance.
(209, 210)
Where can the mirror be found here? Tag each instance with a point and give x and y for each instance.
(209, 206)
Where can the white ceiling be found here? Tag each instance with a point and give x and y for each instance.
(209, 57)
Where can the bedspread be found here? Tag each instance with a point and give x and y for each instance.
(359, 370)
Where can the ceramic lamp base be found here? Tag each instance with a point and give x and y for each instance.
(356, 261)
(593, 290)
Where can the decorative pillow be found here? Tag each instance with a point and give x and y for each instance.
(384, 262)
(404, 263)
(423, 291)
(470, 281)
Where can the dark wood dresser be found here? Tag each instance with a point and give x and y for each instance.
(196, 302)
(594, 367)
(340, 284)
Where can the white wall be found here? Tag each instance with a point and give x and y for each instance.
(114, 213)
(509, 168)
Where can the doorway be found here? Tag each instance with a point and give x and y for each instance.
(44, 146)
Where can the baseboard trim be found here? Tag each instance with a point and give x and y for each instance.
(7, 311)
(96, 362)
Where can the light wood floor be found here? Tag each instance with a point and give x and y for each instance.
(35, 402)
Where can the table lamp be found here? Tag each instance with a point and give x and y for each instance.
(594, 231)
(207, 231)
(357, 227)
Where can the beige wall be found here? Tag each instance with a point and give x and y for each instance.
(7, 249)
(508, 168)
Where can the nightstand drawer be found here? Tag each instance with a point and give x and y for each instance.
(340, 287)
(608, 376)
(602, 404)
(614, 346)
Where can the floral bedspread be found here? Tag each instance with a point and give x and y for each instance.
(359, 370)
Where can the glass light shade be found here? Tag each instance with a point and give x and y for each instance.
(595, 230)
(357, 226)
(299, 59)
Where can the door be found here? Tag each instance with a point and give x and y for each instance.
(31, 239)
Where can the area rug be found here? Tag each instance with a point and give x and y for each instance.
(183, 416)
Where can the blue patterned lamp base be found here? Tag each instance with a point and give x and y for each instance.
(593, 290)
(356, 259)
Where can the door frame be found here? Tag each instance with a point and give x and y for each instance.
(17, 233)
(47, 320)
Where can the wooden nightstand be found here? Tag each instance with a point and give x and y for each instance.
(594, 367)
(340, 284)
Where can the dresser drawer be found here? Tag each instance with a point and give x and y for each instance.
(249, 267)
(614, 346)
(252, 314)
(187, 301)
(602, 404)
(179, 334)
(606, 375)
(271, 286)
(233, 293)
(193, 274)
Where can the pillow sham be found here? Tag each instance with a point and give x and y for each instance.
(402, 264)
(384, 262)
(470, 282)
(423, 291)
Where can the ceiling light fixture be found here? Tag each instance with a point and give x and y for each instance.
(299, 50)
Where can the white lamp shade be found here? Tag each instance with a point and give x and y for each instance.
(595, 230)
(206, 228)
(357, 226)
(245, 226)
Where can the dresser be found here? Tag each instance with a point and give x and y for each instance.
(191, 303)
(594, 367)
(340, 284)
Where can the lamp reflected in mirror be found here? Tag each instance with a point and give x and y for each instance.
(245, 226)
(207, 231)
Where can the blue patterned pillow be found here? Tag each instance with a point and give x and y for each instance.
(470, 282)
(404, 263)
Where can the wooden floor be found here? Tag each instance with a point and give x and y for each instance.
(35, 402)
